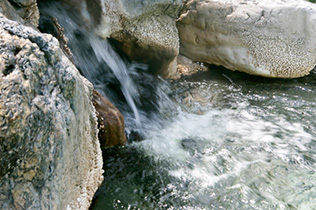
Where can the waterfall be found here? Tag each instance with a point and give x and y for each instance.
(107, 55)
(216, 140)
(94, 57)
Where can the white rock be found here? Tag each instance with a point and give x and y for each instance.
(271, 38)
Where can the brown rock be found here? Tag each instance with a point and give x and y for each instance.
(187, 67)
(110, 122)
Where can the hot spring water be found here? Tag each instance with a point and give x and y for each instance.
(216, 140)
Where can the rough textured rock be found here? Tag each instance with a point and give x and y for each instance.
(25, 9)
(110, 122)
(146, 28)
(50, 25)
(187, 67)
(49, 152)
(271, 38)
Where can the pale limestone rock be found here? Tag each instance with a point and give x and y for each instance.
(271, 38)
(146, 28)
(50, 155)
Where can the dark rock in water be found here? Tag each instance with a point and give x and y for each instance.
(135, 136)
(188, 143)
(110, 122)
(193, 145)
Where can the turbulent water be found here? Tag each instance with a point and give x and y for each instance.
(216, 140)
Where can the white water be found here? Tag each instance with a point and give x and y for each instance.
(246, 144)
(223, 146)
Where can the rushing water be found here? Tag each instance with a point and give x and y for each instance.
(216, 140)
(238, 142)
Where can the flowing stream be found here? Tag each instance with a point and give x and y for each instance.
(215, 140)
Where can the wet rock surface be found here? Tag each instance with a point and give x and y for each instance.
(186, 67)
(110, 122)
(50, 155)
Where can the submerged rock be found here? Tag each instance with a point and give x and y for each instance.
(110, 122)
(271, 38)
(50, 155)
(146, 29)
(187, 67)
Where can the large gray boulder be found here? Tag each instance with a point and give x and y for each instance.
(146, 29)
(50, 156)
(271, 38)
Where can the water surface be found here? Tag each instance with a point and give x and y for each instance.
(235, 142)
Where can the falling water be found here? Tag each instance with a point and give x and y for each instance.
(106, 54)
(94, 56)
(216, 140)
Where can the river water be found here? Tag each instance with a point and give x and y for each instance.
(215, 140)
(233, 141)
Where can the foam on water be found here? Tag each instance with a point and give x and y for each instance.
(223, 134)
(213, 152)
